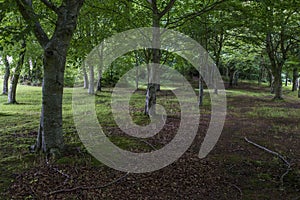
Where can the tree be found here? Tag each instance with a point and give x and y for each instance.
(275, 24)
(15, 77)
(50, 134)
(6, 75)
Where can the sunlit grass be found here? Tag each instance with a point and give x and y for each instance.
(274, 112)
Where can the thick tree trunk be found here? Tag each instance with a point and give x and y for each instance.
(6, 76)
(15, 78)
(50, 135)
(295, 79)
(85, 78)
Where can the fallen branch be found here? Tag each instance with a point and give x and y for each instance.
(288, 165)
(88, 188)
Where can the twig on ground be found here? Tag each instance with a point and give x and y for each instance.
(60, 172)
(236, 187)
(88, 188)
(149, 144)
(288, 165)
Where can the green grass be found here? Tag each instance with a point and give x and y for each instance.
(19, 124)
(274, 112)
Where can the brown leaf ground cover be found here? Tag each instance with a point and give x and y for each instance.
(234, 169)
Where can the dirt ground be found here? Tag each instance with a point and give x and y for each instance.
(235, 169)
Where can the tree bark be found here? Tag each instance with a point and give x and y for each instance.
(201, 91)
(50, 134)
(277, 84)
(295, 79)
(298, 90)
(236, 78)
(85, 78)
(92, 80)
(15, 78)
(6, 76)
(231, 76)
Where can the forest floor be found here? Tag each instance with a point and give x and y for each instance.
(234, 169)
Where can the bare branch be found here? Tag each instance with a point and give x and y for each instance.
(288, 165)
(50, 5)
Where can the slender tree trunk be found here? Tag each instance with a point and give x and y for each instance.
(231, 77)
(85, 78)
(136, 70)
(201, 91)
(295, 79)
(286, 79)
(298, 89)
(92, 80)
(99, 86)
(236, 78)
(6, 76)
(152, 85)
(15, 78)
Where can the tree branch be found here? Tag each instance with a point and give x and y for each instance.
(167, 8)
(191, 16)
(30, 17)
(288, 165)
(50, 5)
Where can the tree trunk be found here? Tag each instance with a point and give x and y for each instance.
(298, 89)
(85, 78)
(277, 84)
(50, 134)
(15, 78)
(152, 85)
(6, 76)
(92, 80)
(231, 77)
(295, 79)
(201, 93)
(235, 78)
(99, 86)
(136, 71)
(286, 79)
